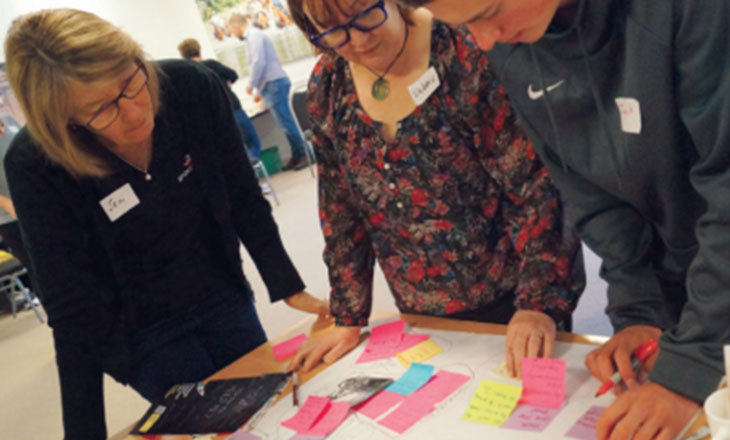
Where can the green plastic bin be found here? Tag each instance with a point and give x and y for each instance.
(271, 159)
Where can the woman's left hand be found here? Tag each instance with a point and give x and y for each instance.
(307, 303)
(529, 334)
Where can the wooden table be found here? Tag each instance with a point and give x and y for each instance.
(261, 360)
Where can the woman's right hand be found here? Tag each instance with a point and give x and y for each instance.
(328, 348)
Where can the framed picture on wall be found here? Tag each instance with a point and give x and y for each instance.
(271, 16)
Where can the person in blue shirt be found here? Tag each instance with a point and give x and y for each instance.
(271, 82)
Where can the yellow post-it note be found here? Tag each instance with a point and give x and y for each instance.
(492, 403)
(418, 353)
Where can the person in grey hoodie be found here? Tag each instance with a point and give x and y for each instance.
(628, 104)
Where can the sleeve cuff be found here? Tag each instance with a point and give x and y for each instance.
(685, 376)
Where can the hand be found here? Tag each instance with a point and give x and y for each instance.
(529, 334)
(617, 351)
(249, 90)
(257, 98)
(329, 347)
(649, 411)
(307, 303)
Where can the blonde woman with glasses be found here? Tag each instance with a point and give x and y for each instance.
(133, 192)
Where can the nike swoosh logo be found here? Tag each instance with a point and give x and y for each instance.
(537, 94)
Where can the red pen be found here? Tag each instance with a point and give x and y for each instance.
(640, 355)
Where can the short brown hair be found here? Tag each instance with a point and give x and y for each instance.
(45, 51)
(305, 24)
(189, 48)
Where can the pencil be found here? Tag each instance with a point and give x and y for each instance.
(295, 389)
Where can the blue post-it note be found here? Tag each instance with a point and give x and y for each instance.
(413, 379)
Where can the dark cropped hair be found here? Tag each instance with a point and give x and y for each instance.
(325, 11)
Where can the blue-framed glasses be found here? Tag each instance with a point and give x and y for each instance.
(366, 21)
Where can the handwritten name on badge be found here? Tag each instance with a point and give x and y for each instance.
(119, 202)
(424, 86)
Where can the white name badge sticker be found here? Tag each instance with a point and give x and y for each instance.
(424, 86)
(630, 112)
(119, 202)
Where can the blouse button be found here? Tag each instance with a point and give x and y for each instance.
(399, 205)
(391, 185)
(387, 166)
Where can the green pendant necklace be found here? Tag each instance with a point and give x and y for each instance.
(380, 88)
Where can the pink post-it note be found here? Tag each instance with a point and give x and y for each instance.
(543, 382)
(307, 414)
(372, 356)
(441, 385)
(406, 415)
(386, 337)
(377, 405)
(332, 417)
(530, 418)
(289, 347)
(585, 427)
(410, 340)
(243, 435)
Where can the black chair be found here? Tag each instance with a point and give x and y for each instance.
(11, 269)
(298, 102)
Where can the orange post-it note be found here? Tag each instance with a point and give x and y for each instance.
(289, 347)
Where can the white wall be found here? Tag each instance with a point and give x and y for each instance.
(158, 25)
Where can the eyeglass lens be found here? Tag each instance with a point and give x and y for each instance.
(108, 114)
(368, 20)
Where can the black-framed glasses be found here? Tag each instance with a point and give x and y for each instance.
(366, 21)
(108, 113)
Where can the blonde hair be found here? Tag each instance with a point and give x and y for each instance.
(48, 49)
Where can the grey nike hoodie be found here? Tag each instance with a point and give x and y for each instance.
(629, 108)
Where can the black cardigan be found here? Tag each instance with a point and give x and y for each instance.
(73, 261)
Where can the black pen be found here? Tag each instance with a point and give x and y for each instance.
(295, 389)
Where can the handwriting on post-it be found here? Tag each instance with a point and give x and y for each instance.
(386, 337)
(530, 418)
(288, 348)
(419, 353)
(492, 403)
(543, 382)
(585, 427)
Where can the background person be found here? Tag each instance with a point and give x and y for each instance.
(458, 211)
(270, 80)
(134, 194)
(190, 50)
(626, 101)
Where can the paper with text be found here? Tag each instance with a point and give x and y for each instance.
(492, 403)
(543, 382)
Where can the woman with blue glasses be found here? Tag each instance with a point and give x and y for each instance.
(457, 210)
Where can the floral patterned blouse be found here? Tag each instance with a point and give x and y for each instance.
(457, 209)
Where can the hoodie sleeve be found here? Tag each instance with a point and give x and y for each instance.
(702, 43)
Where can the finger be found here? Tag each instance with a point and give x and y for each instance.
(315, 356)
(510, 362)
(609, 418)
(533, 345)
(648, 430)
(547, 346)
(629, 422)
(336, 352)
(622, 359)
(604, 368)
(519, 348)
